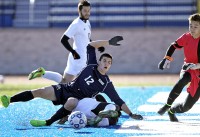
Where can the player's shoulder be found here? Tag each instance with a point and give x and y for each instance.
(76, 21)
(93, 66)
(108, 79)
(186, 34)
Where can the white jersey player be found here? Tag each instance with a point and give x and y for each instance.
(80, 32)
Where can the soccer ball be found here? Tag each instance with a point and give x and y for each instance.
(77, 120)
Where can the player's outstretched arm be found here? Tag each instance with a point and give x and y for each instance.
(113, 41)
(125, 108)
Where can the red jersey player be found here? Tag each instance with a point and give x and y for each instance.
(190, 43)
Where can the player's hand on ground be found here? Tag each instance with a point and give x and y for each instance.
(136, 116)
(113, 41)
(165, 63)
(75, 55)
(188, 66)
(101, 49)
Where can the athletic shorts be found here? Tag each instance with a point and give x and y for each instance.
(62, 94)
(74, 66)
(85, 105)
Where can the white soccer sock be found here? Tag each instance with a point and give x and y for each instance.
(54, 76)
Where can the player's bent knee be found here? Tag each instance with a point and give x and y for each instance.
(67, 78)
(186, 108)
(71, 103)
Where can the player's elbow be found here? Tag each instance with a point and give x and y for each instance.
(64, 39)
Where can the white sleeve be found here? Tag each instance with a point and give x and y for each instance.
(71, 31)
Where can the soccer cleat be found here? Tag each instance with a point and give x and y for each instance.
(108, 113)
(137, 117)
(36, 73)
(163, 109)
(38, 123)
(63, 120)
(5, 100)
(94, 121)
(172, 117)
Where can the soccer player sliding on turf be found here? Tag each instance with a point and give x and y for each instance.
(91, 81)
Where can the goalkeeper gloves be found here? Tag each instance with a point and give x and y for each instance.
(165, 63)
(113, 41)
(75, 54)
(101, 49)
(136, 116)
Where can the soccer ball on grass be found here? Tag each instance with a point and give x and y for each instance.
(77, 120)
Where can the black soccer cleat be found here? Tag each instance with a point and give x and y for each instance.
(163, 109)
(172, 117)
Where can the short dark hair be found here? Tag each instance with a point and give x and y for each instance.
(105, 55)
(194, 17)
(83, 3)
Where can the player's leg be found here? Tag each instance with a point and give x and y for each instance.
(175, 92)
(70, 105)
(102, 111)
(106, 110)
(50, 75)
(54, 76)
(63, 111)
(46, 93)
(183, 107)
(67, 78)
(62, 98)
(110, 110)
(100, 98)
(73, 68)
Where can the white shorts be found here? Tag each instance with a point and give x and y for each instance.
(74, 66)
(86, 105)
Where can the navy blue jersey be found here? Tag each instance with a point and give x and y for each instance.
(90, 81)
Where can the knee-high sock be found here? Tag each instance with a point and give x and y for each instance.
(23, 96)
(54, 76)
(62, 112)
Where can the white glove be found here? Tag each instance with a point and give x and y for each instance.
(165, 63)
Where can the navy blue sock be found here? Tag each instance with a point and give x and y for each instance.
(62, 112)
(23, 96)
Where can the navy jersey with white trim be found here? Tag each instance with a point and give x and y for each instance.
(90, 81)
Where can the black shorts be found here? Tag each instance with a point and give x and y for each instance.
(62, 94)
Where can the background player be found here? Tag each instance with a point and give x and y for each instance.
(80, 31)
